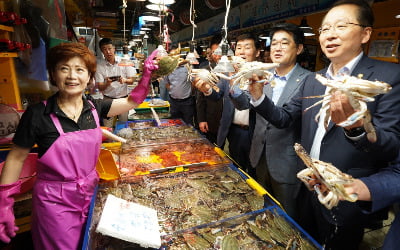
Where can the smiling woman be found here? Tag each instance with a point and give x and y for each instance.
(67, 131)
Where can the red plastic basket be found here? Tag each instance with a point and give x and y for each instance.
(28, 172)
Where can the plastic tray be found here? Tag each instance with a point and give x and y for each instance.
(146, 113)
(183, 200)
(157, 135)
(147, 104)
(143, 160)
(147, 123)
(28, 172)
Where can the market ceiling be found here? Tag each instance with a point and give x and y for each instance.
(107, 17)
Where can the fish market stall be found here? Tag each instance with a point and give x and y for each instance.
(201, 200)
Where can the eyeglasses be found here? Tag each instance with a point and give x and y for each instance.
(338, 27)
(283, 44)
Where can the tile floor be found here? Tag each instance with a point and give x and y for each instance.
(373, 239)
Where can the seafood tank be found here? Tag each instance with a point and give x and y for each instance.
(183, 200)
(269, 228)
(148, 123)
(142, 159)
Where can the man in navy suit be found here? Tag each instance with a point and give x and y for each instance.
(272, 153)
(345, 29)
(234, 123)
(383, 189)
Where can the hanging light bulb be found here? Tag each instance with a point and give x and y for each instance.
(218, 51)
(166, 2)
(224, 65)
(306, 28)
(191, 57)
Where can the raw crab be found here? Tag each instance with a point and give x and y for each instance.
(359, 92)
(206, 76)
(167, 64)
(246, 72)
(328, 175)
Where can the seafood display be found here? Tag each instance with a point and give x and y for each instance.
(182, 200)
(327, 174)
(155, 135)
(359, 91)
(147, 114)
(143, 124)
(265, 229)
(137, 160)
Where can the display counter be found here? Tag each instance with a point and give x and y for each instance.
(205, 205)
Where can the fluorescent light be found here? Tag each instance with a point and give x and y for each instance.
(157, 7)
(166, 2)
(151, 17)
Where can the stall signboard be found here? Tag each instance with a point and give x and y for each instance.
(258, 12)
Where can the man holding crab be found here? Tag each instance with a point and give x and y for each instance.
(345, 29)
(272, 152)
(234, 123)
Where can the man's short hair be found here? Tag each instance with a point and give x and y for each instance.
(293, 29)
(105, 41)
(250, 36)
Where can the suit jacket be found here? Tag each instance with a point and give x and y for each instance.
(228, 110)
(385, 190)
(208, 110)
(276, 143)
(357, 158)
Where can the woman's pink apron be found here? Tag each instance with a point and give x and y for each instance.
(66, 179)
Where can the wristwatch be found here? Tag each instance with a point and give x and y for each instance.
(355, 132)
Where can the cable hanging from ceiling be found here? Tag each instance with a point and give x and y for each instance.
(191, 56)
(224, 65)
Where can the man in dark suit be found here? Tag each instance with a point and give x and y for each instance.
(209, 111)
(234, 123)
(272, 152)
(344, 30)
(383, 189)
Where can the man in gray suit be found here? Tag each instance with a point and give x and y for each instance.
(272, 152)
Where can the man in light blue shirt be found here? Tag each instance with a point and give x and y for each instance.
(272, 152)
(182, 101)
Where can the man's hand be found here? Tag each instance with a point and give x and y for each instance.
(359, 188)
(256, 87)
(341, 109)
(203, 126)
(201, 85)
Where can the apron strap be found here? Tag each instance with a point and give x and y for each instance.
(95, 115)
(55, 120)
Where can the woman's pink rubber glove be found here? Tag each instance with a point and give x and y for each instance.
(139, 93)
(7, 219)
